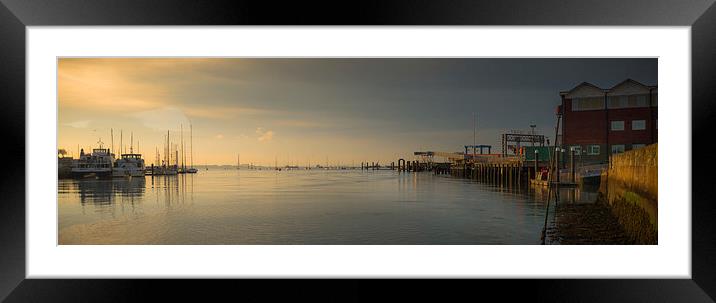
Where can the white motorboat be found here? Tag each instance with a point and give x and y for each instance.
(129, 165)
(96, 164)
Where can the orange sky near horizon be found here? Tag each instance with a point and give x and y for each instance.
(317, 110)
(143, 98)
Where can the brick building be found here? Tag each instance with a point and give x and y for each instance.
(597, 122)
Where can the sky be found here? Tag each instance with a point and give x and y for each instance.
(317, 110)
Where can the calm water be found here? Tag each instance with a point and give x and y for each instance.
(221, 206)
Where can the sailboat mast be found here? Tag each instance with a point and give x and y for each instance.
(120, 143)
(181, 141)
(191, 147)
(111, 135)
(131, 143)
(167, 153)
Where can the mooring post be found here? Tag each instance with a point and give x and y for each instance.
(556, 164)
(509, 174)
(571, 164)
(503, 171)
(492, 173)
(505, 179)
(536, 163)
(520, 175)
(496, 173)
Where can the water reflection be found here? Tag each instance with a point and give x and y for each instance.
(300, 207)
(584, 194)
(171, 190)
(104, 191)
(101, 193)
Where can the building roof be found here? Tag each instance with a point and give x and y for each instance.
(583, 84)
(629, 80)
(587, 84)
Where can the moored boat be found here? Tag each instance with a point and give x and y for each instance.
(97, 164)
(129, 165)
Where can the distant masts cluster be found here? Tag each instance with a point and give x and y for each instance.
(122, 148)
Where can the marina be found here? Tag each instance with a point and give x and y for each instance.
(301, 161)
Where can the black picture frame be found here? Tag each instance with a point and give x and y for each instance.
(16, 15)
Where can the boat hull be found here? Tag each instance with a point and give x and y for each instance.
(91, 174)
(127, 173)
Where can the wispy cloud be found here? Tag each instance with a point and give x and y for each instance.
(162, 118)
(104, 87)
(264, 135)
(220, 112)
(79, 124)
(302, 124)
(219, 136)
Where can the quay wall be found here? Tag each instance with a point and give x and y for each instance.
(630, 187)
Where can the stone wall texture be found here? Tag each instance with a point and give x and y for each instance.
(630, 186)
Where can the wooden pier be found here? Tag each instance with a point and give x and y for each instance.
(508, 173)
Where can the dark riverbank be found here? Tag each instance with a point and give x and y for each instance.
(586, 223)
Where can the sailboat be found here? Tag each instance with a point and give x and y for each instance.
(191, 168)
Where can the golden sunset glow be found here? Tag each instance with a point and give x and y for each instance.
(309, 110)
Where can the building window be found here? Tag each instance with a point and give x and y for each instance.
(638, 125)
(638, 101)
(577, 150)
(637, 145)
(617, 125)
(617, 148)
(628, 101)
(617, 101)
(593, 150)
(592, 103)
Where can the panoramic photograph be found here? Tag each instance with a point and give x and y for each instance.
(357, 151)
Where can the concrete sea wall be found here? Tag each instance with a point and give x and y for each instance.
(630, 187)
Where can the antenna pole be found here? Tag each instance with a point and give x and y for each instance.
(474, 133)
